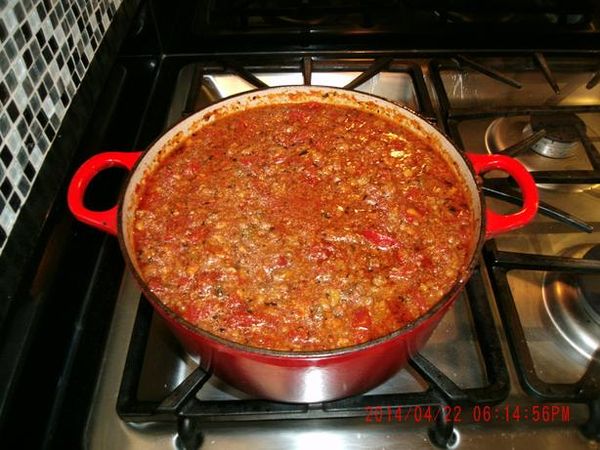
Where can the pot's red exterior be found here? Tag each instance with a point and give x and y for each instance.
(317, 376)
(311, 378)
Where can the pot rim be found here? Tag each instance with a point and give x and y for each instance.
(448, 297)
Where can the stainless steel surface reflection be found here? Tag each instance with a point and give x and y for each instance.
(565, 306)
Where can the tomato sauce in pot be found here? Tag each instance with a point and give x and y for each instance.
(302, 227)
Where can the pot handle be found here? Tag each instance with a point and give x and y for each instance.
(499, 223)
(103, 220)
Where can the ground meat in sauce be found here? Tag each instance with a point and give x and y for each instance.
(302, 227)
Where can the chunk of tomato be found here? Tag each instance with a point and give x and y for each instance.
(382, 241)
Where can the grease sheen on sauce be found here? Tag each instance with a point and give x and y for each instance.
(302, 227)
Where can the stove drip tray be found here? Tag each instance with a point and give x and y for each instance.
(589, 284)
(573, 303)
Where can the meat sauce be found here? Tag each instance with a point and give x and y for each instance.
(302, 227)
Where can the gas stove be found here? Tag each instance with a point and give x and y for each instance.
(515, 362)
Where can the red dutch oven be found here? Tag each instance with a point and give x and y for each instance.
(303, 376)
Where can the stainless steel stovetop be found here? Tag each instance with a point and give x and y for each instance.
(453, 347)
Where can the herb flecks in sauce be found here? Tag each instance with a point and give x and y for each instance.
(302, 227)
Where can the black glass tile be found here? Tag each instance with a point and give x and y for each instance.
(72, 13)
(53, 44)
(28, 114)
(85, 60)
(2, 233)
(26, 30)
(60, 60)
(41, 10)
(50, 133)
(3, 32)
(6, 157)
(42, 119)
(42, 91)
(15, 202)
(3, 93)
(13, 112)
(47, 54)
(29, 172)
(41, 39)
(6, 188)
(71, 64)
(27, 57)
(64, 98)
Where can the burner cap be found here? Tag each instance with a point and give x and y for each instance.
(589, 284)
(560, 127)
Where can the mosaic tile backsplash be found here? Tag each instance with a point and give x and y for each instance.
(46, 48)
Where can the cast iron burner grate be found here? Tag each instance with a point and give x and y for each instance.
(587, 389)
(183, 407)
(452, 116)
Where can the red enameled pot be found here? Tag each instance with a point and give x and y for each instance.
(303, 376)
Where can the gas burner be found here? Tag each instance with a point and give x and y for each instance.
(562, 134)
(559, 149)
(573, 302)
